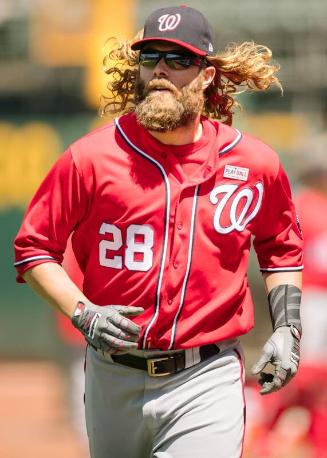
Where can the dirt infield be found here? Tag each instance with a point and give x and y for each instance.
(34, 421)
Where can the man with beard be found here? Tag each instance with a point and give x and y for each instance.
(162, 205)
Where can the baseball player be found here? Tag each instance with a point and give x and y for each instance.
(162, 204)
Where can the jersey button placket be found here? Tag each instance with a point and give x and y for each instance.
(177, 227)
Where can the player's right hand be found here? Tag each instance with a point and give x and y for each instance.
(106, 327)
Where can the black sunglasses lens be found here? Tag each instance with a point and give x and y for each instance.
(178, 61)
(175, 61)
(149, 59)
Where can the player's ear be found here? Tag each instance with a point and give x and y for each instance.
(209, 74)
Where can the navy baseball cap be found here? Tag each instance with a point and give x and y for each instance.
(181, 25)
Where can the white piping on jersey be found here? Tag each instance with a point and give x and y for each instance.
(33, 258)
(165, 243)
(188, 267)
(281, 269)
(231, 145)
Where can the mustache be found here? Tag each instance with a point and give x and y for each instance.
(159, 83)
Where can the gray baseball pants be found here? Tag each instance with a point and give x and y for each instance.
(196, 413)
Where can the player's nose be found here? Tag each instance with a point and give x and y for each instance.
(161, 69)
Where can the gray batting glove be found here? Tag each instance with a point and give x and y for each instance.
(282, 350)
(106, 327)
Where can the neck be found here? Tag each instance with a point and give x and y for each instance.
(182, 135)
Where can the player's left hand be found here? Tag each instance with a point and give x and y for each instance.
(282, 350)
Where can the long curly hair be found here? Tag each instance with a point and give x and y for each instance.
(239, 68)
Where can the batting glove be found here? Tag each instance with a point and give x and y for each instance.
(282, 350)
(107, 327)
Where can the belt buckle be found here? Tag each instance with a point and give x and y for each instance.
(151, 362)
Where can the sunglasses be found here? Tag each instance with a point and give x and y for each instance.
(173, 59)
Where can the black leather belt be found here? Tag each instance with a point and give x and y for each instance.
(165, 364)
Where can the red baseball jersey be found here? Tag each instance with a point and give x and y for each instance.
(145, 233)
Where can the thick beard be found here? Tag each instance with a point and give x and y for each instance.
(164, 111)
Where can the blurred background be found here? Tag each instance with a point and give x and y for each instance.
(51, 80)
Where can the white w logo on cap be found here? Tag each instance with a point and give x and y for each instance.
(169, 21)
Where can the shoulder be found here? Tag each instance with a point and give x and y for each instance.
(242, 148)
(93, 141)
(258, 156)
(101, 143)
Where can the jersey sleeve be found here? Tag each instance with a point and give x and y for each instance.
(277, 235)
(54, 212)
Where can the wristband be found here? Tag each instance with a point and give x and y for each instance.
(284, 306)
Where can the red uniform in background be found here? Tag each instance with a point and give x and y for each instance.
(312, 210)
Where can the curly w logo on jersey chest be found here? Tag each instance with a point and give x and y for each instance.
(236, 204)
